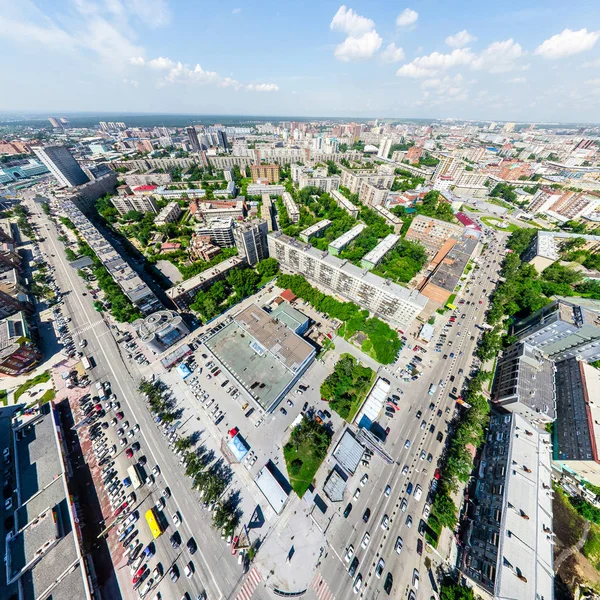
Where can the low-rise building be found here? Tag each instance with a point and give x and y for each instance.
(524, 384)
(376, 255)
(433, 234)
(266, 210)
(182, 294)
(390, 218)
(207, 211)
(340, 243)
(140, 202)
(201, 248)
(257, 189)
(178, 194)
(291, 207)
(344, 203)
(169, 214)
(18, 353)
(507, 543)
(316, 230)
(160, 330)
(545, 247)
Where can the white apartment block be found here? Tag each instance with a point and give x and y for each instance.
(354, 180)
(373, 195)
(169, 214)
(381, 297)
(257, 189)
(143, 204)
(325, 184)
(563, 205)
(292, 208)
(344, 203)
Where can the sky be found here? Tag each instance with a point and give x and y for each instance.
(468, 59)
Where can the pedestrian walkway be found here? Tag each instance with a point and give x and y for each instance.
(252, 581)
(321, 589)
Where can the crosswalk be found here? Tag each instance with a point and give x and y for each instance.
(85, 328)
(249, 586)
(321, 588)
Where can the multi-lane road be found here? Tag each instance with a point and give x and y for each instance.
(336, 581)
(217, 571)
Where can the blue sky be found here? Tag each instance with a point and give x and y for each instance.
(505, 60)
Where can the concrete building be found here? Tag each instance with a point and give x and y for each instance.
(262, 354)
(201, 248)
(178, 194)
(355, 179)
(562, 329)
(266, 210)
(141, 203)
(344, 203)
(375, 256)
(448, 166)
(18, 353)
(169, 214)
(384, 147)
(545, 247)
(325, 184)
(381, 297)
(218, 231)
(294, 319)
(160, 330)
(507, 544)
(316, 230)
(208, 211)
(182, 294)
(390, 218)
(291, 207)
(577, 426)
(373, 195)
(264, 172)
(139, 294)
(62, 165)
(251, 240)
(563, 205)
(340, 243)
(433, 234)
(44, 551)
(193, 138)
(257, 189)
(524, 384)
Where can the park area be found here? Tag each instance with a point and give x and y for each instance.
(304, 453)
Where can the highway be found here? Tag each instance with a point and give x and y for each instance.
(218, 573)
(405, 425)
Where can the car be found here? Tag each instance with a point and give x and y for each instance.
(353, 566)
(445, 356)
(356, 494)
(419, 546)
(138, 573)
(426, 510)
(404, 505)
(366, 539)
(379, 568)
(399, 544)
(423, 424)
(409, 521)
(439, 436)
(415, 579)
(129, 453)
(120, 431)
(176, 519)
(430, 457)
(405, 470)
(191, 545)
(290, 403)
(120, 415)
(349, 553)
(407, 444)
(189, 569)
(347, 510)
(366, 515)
(418, 492)
(8, 504)
(419, 414)
(174, 573)
(305, 407)
(166, 493)
(175, 540)
(283, 411)
(364, 479)
(160, 503)
(388, 490)
(422, 526)
(357, 584)
(385, 521)
(135, 446)
(389, 581)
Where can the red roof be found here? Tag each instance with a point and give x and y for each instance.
(466, 220)
(145, 188)
(288, 295)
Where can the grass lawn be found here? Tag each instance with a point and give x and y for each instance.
(41, 378)
(304, 453)
(493, 223)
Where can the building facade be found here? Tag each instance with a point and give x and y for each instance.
(251, 240)
(62, 165)
(265, 172)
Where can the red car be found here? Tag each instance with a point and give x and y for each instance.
(481, 302)
(119, 415)
(139, 573)
(437, 474)
(129, 453)
(234, 544)
(233, 432)
(120, 509)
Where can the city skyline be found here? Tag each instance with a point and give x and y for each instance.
(517, 62)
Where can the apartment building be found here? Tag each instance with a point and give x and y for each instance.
(169, 214)
(141, 203)
(524, 384)
(563, 329)
(291, 207)
(433, 234)
(251, 240)
(208, 211)
(344, 203)
(257, 189)
(354, 179)
(18, 353)
(316, 230)
(266, 210)
(218, 231)
(340, 243)
(375, 256)
(325, 184)
(545, 247)
(563, 205)
(507, 542)
(265, 172)
(62, 164)
(373, 195)
(383, 298)
(390, 218)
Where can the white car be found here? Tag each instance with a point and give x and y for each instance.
(398, 546)
(426, 511)
(418, 492)
(379, 568)
(176, 519)
(156, 471)
(385, 522)
(357, 584)
(189, 569)
(356, 494)
(349, 553)
(364, 479)
(388, 490)
(366, 539)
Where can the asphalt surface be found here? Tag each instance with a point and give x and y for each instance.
(334, 580)
(217, 572)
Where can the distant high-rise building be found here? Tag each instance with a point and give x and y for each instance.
(62, 165)
(104, 126)
(64, 122)
(194, 141)
(222, 139)
(384, 147)
(54, 122)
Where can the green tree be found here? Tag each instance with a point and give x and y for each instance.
(269, 267)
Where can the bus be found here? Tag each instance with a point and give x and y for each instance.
(133, 475)
(154, 522)
(85, 361)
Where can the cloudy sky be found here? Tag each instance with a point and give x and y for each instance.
(510, 60)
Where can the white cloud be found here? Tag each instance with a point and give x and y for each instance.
(236, 11)
(263, 87)
(133, 82)
(461, 39)
(228, 82)
(499, 57)
(567, 43)
(348, 21)
(407, 18)
(358, 47)
(593, 82)
(137, 61)
(154, 13)
(181, 73)
(517, 80)
(160, 63)
(48, 34)
(591, 64)
(392, 53)
(426, 66)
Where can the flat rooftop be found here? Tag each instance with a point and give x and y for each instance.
(189, 284)
(375, 255)
(347, 237)
(263, 354)
(316, 228)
